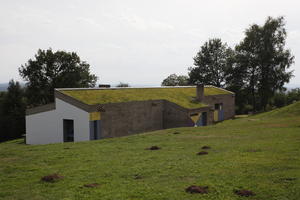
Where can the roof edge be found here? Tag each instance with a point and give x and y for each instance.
(73, 101)
(122, 88)
(40, 109)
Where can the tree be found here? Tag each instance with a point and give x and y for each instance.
(12, 112)
(49, 70)
(210, 64)
(266, 62)
(121, 84)
(174, 80)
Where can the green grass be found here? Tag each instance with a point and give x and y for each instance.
(184, 97)
(259, 153)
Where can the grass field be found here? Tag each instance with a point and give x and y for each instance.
(259, 153)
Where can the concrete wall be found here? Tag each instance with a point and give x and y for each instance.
(121, 119)
(41, 128)
(175, 116)
(228, 101)
(47, 127)
(81, 120)
(128, 118)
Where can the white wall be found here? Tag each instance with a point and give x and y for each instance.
(47, 127)
(42, 128)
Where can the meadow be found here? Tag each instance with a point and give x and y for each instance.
(260, 153)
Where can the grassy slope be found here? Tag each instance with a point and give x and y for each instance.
(180, 96)
(261, 153)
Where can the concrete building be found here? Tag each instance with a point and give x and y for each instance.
(80, 114)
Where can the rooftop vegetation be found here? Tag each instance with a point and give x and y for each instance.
(184, 97)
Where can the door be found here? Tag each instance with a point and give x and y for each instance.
(95, 129)
(68, 125)
(204, 118)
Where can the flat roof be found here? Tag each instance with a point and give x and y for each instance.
(183, 96)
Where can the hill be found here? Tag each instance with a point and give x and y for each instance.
(258, 153)
(3, 86)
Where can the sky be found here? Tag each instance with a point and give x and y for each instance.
(133, 41)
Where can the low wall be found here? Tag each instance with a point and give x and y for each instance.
(228, 101)
(121, 119)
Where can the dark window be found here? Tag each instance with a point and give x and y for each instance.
(68, 130)
(217, 106)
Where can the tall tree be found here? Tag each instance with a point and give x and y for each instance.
(12, 112)
(264, 59)
(174, 80)
(49, 70)
(210, 64)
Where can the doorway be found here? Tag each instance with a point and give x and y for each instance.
(68, 125)
(95, 130)
(204, 118)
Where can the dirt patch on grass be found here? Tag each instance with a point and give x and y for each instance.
(205, 147)
(51, 178)
(201, 153)
(176, 133)
(137, 176)
(153, 148)
(91, 185)
(244, 193)
(197, 189)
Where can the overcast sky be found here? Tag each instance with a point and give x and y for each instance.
(135, 41)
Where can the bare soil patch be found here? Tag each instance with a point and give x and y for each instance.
(91, 185)
(244, 193)
(206, 147)
(197, 189)
(201, 153)
(52, 178)
(137, 176)
(154, 148)
(175, 133)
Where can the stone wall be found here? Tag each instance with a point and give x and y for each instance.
(121, 119)
(128, 118)
(175, 116)
(228, 101)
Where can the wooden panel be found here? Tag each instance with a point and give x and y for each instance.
(216, 115)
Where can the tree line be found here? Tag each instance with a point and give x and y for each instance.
(255, 69)
(46, 71)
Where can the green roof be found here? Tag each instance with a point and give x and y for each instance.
(183, 96)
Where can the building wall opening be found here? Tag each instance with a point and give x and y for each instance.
(68, 125)
(95, 129)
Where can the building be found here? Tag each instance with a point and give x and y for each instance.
(80, 114)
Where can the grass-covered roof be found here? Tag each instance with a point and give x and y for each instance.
(183, 96)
